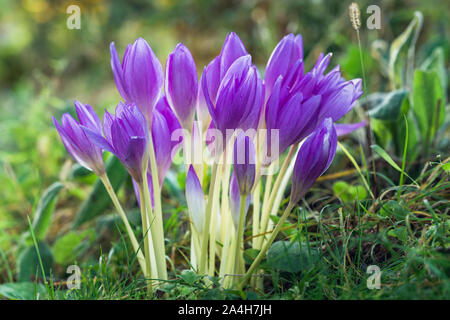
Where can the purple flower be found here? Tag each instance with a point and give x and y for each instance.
(337, 95)
(84, 151)
(244, 158)
(286, 56)
(164, 123)
(181, 85)
(125, 135)
(299, 102)
(232, 49)
(239, 98)
(139, 78)
(291, 114)
(195, 200)
(235, 200)
(313, 159)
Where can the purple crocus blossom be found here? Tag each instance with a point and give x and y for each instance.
(235, 200)
(244, 159)
(313, 159)
(298, 102)
(82, 149)
(125, 135)
(139, 78)
(164, 123)
(195, 200)
(291, 114)
(181, 85)
(239, 99)
(232, 49)
(286, 55)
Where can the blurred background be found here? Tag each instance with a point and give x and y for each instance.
(44, 67)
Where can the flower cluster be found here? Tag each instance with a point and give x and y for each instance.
(297, 106)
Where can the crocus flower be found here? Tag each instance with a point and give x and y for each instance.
(164, 123)
(181, 85)
(291, 114)
(139, 78)
(239, 98)
(337, 95)
(195, 200)
(286, 55)
(84, 151)
(244, 163)
(313, 159)
(235, 200)
(126, 135)
(232, 49)
(299, 102)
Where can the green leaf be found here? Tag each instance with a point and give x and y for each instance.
(427, 91)
(446, 167)
(189, 276)
(98, 200)
(436, 62)
(44, 211)
(66, 248)
(401, 233)
(23, 291)
(401, 55)
(390, 108)
(385, 156)
(28, 262)
(291, 257)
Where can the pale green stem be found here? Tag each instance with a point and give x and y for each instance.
(204, 243)
(141, 259)
(157, 225)
(256, 212)
(150, 267)
(213, 232)
(275, 189)
(239, 236)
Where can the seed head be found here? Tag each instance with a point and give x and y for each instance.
(355, 15)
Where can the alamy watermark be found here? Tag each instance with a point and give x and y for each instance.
(374, 280)
(74, 19)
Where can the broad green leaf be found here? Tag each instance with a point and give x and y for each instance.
(351, 62)
(189, 276)
(436, 62)
(382, 131)
(398, 130)
(23, 291)
(291, 257)
(28, 262)
(390, 108)
(98, 200)
(44, 210)
(66, 248)
(427, 91)
(401, 56)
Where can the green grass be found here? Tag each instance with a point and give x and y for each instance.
(406, 237)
